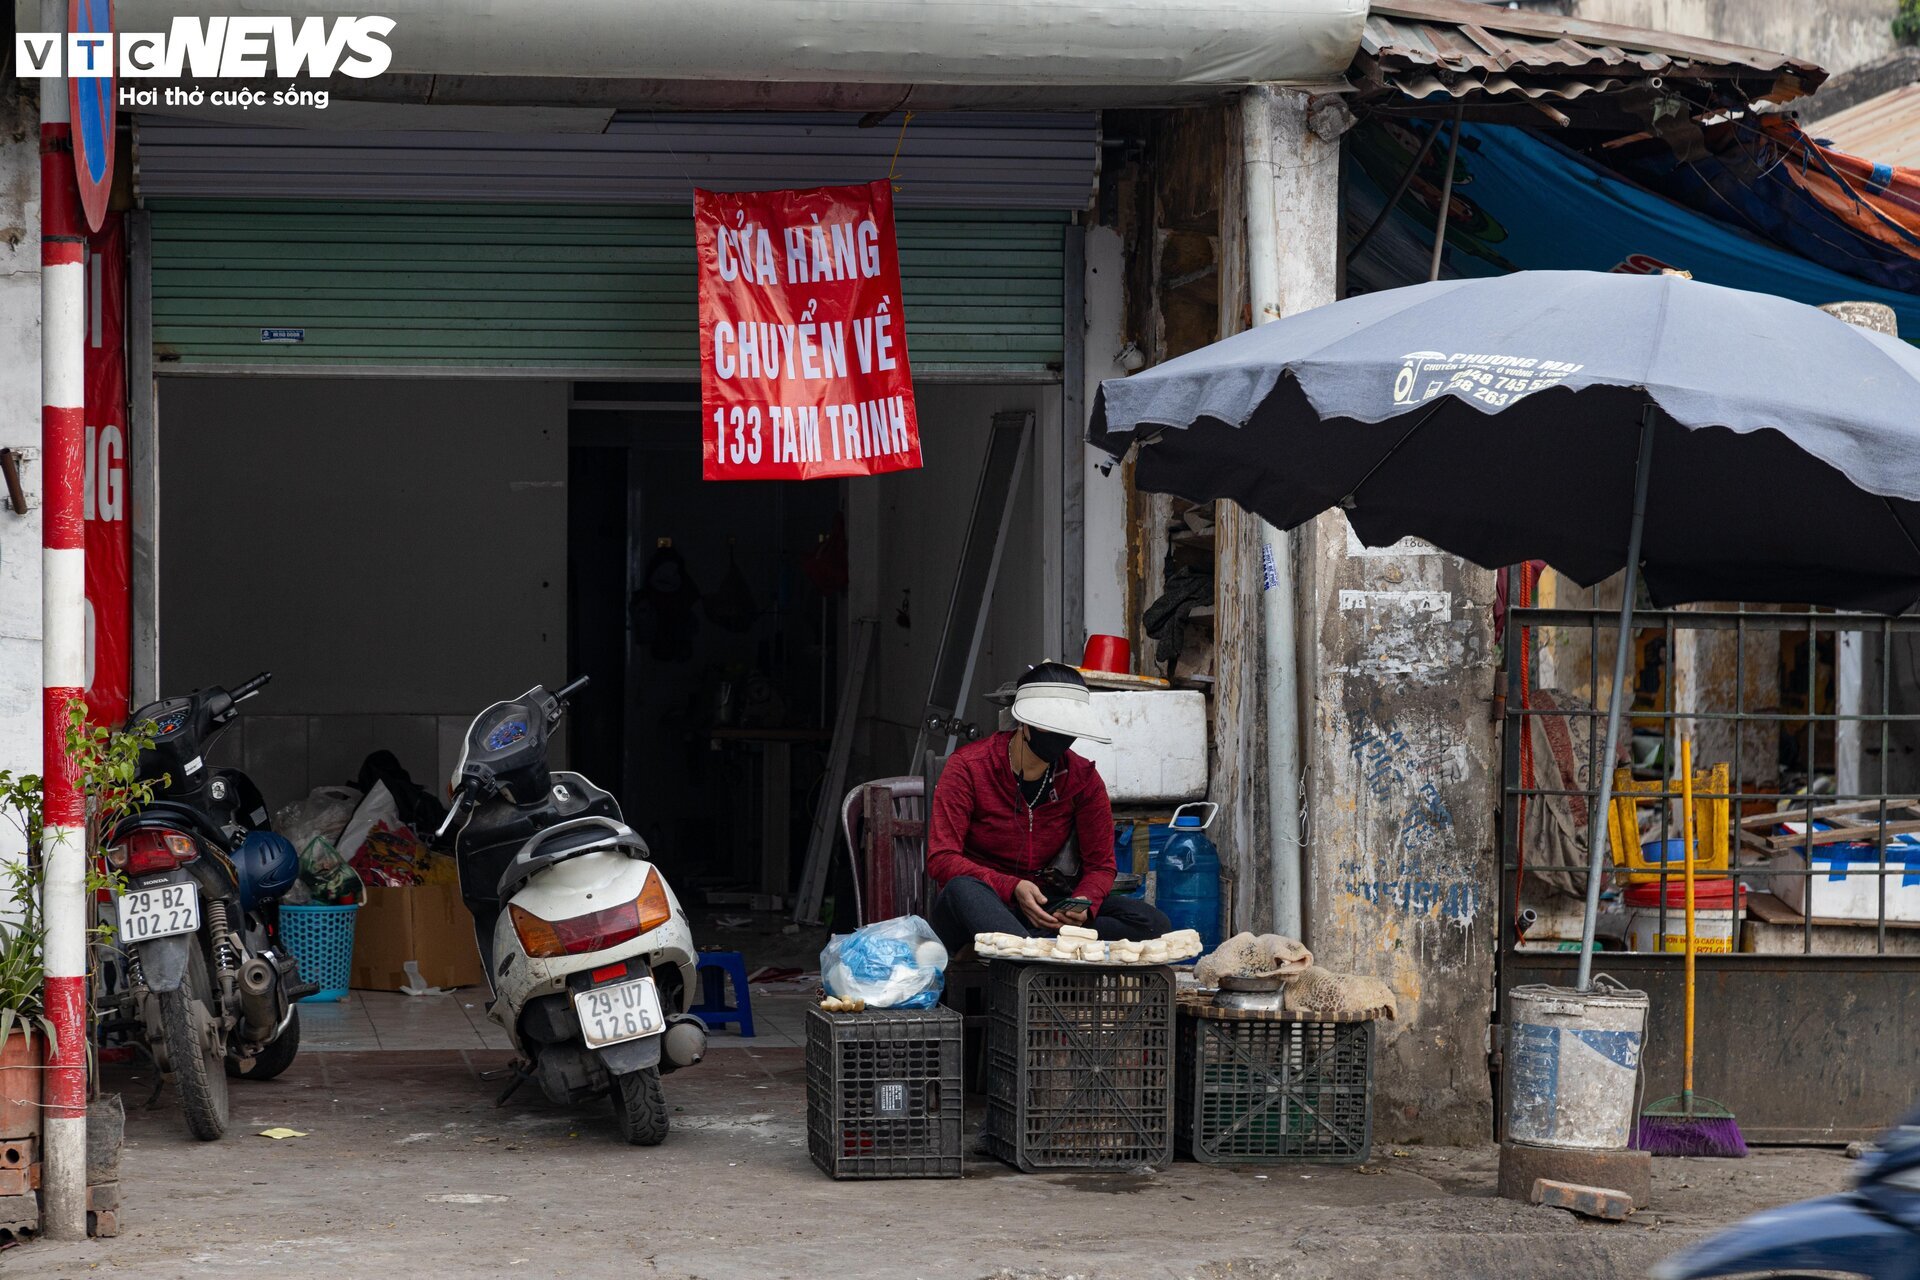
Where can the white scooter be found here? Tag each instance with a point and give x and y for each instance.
(587, 951)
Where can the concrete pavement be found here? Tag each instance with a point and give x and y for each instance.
(409, 1170)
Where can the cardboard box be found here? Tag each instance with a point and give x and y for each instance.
(425, 923)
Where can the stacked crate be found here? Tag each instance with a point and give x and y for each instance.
(1080, 1066)
(1264, 1086)
(883, 1093)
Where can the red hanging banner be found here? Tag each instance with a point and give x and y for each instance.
(803, 348)
(109, 548)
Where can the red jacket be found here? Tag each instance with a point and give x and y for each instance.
(980, 825)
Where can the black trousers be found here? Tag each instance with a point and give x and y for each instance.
(968, 906)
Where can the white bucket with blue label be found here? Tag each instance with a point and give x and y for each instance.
(1573, 1065)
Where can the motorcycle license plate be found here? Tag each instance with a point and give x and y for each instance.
(159, 912)
(619, 1012)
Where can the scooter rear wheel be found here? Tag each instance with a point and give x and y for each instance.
(199, 1067)
(640, 1107)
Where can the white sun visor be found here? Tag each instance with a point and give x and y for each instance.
(1059, 708)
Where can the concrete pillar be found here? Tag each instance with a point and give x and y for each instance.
(1401, 779)
(20, 432)
(1290, 185)
(1387, 678)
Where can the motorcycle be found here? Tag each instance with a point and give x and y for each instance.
(1872, 1230)
(209, 987)
(587, 952)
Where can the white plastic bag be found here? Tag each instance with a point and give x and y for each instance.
(324, 813)
(377, 809)
(893, 964)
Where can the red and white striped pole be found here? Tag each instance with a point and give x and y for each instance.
(62, 653)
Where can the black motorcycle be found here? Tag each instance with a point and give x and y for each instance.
(209, 985)
(1871, 1230)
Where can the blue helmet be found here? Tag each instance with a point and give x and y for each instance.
(267, 865)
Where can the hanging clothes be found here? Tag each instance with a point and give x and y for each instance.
(661, 611)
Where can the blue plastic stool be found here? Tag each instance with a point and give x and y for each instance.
(715, 967)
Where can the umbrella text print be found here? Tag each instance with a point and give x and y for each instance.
(1494, 380)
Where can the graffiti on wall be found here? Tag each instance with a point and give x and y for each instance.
(1415, 876)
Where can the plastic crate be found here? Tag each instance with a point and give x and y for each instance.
(321, 939)
(1080, 1066)
(883, 1093)
(1259, 1088)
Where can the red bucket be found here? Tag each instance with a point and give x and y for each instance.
(1108, 653)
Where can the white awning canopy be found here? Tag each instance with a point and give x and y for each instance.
(1054, 45)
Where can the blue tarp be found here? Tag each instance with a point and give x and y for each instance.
(1523, 202)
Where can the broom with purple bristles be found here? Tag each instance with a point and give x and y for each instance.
(1688, 1125)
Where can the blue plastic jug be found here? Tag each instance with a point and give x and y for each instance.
(1187, 874)
(1157, 833)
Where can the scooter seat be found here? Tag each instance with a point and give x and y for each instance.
(568, 840)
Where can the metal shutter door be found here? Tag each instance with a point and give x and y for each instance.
(944, 160)
(593, 290)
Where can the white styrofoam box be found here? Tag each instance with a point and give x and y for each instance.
(1159, 748)
(1846, 882)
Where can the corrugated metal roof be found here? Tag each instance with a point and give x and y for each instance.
(958, 160)
(1450, 50)
(1882, 130)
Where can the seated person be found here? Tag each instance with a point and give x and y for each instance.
(1006, 809)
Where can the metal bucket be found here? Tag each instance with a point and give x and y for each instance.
(1573, 1063)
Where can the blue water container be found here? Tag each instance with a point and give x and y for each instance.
(1187, 874)
(1157, 833)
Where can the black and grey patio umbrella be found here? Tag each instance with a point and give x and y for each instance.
(1718, 444)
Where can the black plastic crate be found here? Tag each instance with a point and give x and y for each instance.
(1080, 1066)
(1267, 1088)
(883, 1093)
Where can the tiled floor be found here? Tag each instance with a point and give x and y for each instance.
(371, 1020)
(388, 1020)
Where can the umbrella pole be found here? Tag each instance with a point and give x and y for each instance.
(1597, 820)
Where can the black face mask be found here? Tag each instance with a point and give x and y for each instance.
(1049, 747)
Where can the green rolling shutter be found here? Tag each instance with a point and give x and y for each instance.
(590, 288)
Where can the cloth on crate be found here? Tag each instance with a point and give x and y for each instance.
(967, 907)
(980, 827)
(1316, 990)
(1249, 955)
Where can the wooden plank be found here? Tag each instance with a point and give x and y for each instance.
(826, 814)
(1869, 834)
(1820, 812)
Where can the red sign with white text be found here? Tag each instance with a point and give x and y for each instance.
(803, 347)
(109, 548)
